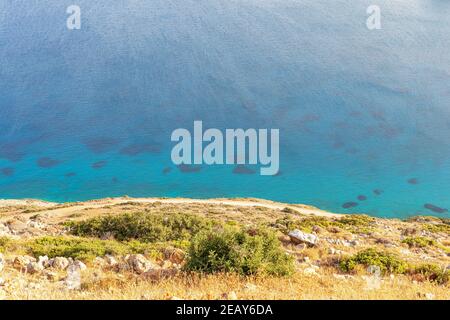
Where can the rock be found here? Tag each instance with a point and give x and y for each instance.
(2, 262)
(140, 264)
(99, 262)
(34, 267)
(73, 279)
(309, 271)
(17, 226)
(298, 236)
(110, 261)
(80, 265)
(429, 296)
(174, 255)
(60, 263)
(21, 262)
(43, 261)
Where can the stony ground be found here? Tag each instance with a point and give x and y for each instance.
(317, 240)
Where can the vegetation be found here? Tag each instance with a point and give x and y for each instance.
(418, 242)
(142, 226)
(387, 262)
(240, 251)
(432, 272)
(351, 223)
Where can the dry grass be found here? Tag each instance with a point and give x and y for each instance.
(103, 285)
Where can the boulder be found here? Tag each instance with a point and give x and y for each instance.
(60, 263)
(34, 267)
(110, 261)
(21, 262)
(298, 236)
(140, 264)
(43, 261)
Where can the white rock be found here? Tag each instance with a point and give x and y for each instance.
(73, 279)
(43, 261)
(298, 236)
(309, 271)
(429, 296)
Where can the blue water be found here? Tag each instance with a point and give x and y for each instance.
(88, 113)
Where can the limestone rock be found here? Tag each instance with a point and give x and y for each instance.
(298, 236)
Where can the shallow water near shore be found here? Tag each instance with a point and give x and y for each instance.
(364, 116)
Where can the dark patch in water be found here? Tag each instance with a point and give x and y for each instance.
(350, 204)
(434, 208)
(99, 164)
(413, 181)
(100, 145)
(136, 149)
(166, 170)
(10, 152)
(377, 192)
(187, 168)
(70, 174)
(114, 180)
(362, 197)
(47, 162)
(241, 169)
(8, 172)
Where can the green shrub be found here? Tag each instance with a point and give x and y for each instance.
(243, 252)
(305, 224)
(142, 226)
(387, 262)
(432, 273)
(82, 248)
(419, 242)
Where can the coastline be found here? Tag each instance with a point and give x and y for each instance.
(240, 202)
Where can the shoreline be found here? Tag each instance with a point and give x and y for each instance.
(240, 202)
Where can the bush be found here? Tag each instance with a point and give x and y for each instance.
(142, 226)
(84, 249)
(418, 242)
(432, 273)
(243, 252)
(306, 224)
(387, 262)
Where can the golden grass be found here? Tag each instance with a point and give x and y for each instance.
(104, 285)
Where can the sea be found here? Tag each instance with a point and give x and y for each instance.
(363, 113)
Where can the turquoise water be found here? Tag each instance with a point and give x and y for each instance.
(364, 116)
